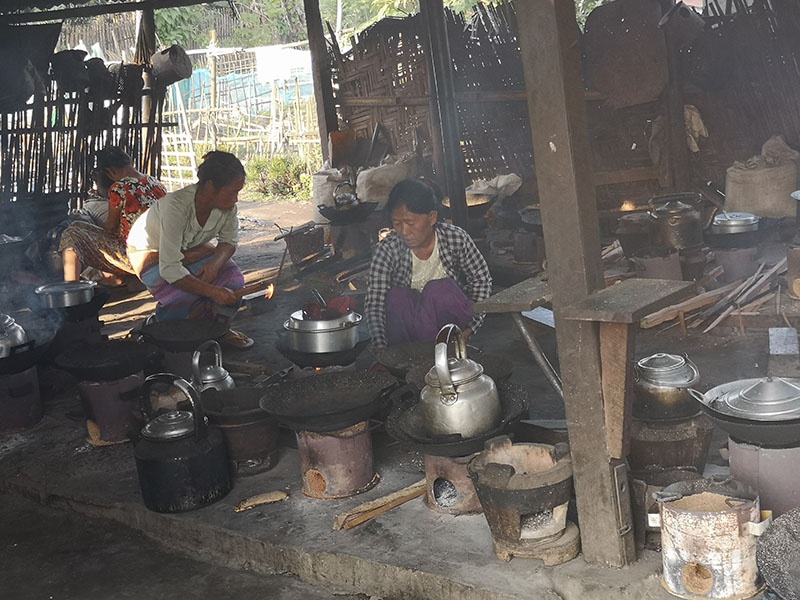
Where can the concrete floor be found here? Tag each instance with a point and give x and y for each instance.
(411, 552)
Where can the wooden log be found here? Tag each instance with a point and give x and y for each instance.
(695, 303)
(260, 499)
(369, 510)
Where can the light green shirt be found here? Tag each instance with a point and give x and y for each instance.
(170, 226)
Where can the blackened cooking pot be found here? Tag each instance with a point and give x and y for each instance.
(182, 335)
(181, 462)
(661, 387)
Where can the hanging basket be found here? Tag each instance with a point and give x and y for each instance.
(69, 70)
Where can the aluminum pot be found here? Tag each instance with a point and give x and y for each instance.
(66, 293)
(322, 335)
(11, 334)
(661, 387)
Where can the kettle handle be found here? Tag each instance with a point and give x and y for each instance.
(212, 344)
(446, 333)
(188, 390)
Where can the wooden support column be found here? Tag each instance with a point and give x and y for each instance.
(321, 75)
(556, 106)
(432, 12)
(677, 151)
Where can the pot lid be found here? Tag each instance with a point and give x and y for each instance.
(59, 287)
(667, 368)
(169, 426)
(734, 222)
(462, 370)
(674, 207)
(766, 399)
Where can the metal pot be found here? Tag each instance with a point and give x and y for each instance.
(182, 464)
(458, 398)
(11, 334)
(323, 335)
(66, 293)
(734, 230)
(675, 223)
(757, 411)
(661, 387)
(211, 376)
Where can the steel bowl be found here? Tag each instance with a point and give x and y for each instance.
(323, 335)
(66, 293)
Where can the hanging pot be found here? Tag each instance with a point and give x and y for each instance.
(675, 222)
(171, 65)
(211, 376)
(182, 464)
(661, 387)
(458, 398)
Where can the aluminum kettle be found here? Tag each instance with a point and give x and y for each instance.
(210, 376)
(458, 398)
(11, 334)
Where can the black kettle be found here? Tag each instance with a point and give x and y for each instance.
(182, 463)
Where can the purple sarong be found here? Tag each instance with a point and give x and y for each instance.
(412, 316)
(174, 303)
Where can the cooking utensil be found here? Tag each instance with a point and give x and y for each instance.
(11, 334)
(319, 359)
(675, 222)
(109, 360)
(406, 423)
(458, 398)
(661, 387)
(63, 294)
(322, 335)
(210, 376)
(758, 411)
(182, 464)
(183, 335)
(329, 401)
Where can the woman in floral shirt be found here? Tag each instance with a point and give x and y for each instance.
(130, 193)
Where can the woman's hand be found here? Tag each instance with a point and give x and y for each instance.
(224, 296)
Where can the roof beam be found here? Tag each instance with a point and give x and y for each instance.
(94, 10)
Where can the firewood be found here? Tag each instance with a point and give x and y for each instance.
(369, 510)
(695, 303)
(267, 498)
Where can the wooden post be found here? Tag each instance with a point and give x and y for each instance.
(551, 64)
(677, 151)
(327, 120)
(432, 12)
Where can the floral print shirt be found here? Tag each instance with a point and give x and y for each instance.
(133, 196)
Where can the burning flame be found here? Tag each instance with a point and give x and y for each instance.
(627, 206)
(270, 292)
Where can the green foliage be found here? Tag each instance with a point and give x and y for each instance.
(282, 177)
(269, 22)
(186, 26)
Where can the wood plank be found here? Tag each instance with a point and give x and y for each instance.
(551, 64)
(525, 295)
(369, 510)
(695, 303)
(628, 301)
(327, 119)
(616, 356)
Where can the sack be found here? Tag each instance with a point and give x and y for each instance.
(374, 185)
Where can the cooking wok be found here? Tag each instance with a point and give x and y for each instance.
(183, 335)
(108, 360)
(329, 401)
(406, 424)
(341, 216)
(22, 357)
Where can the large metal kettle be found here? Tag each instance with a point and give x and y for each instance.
(11, 334)
(458, 398)
(181, 462)
(675, 222)
(212, 376)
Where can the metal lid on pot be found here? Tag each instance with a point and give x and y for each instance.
(65, 287)
(734, 222)
(169, 426)
(662, 368)
(296, 322)
(766, 399)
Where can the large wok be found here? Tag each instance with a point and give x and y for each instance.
(406, 424)
(108, 360)
(329, 401)
(182, 335)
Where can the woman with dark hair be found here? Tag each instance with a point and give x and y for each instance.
(171, 247)
(424, 274)
(129, 193)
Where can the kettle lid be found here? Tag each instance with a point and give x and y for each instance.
(172, 425)
(462, 370)
(6, 321)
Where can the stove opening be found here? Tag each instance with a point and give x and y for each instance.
(444, 492)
